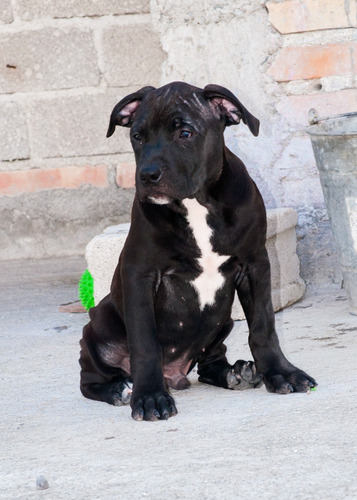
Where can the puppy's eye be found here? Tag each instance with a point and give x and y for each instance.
(185, 134)
(137, 137)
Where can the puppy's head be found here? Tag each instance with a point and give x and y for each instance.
(177, 135)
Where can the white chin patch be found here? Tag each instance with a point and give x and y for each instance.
(161, 200)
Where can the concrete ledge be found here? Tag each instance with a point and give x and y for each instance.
(102, 254)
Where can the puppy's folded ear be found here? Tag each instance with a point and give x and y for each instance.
(123, 113)
(230, 108)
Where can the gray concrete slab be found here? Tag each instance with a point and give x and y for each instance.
(222, 444)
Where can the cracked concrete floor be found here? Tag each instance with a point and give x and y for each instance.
(222, 444)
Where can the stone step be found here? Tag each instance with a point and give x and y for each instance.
(102, 254)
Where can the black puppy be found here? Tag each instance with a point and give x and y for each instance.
(197, 235)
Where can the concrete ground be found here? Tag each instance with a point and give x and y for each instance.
(222, 444)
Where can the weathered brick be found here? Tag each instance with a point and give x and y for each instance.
(13, 132)
(132, 55)
(75, 126)
(296, 108)
(125, 176)
(31, 181)
(294, 16)
(294, 63)
(47, 59)
(79, 8)
(6, 15)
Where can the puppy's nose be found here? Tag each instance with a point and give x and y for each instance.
(150, 175)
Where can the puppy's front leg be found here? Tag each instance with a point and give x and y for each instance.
(150, 399)
(254, 292)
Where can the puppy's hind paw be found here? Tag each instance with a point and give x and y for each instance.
(243, 375)
(119, 393)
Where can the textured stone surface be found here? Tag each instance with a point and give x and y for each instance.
(58, 221)
(131, 55)
(47, 59)
(294, 16)
(6, 15)
(188, 13)
(71, 8)
(13, 132)
(75, 126)
(102, 254)
(297, 171)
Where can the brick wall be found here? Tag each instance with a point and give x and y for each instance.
(63, 66)
(315, 67)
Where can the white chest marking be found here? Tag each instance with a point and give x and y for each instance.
(210, 280)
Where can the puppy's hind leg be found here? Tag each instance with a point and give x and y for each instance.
(104, 357)
(214, 369)
(116, 392)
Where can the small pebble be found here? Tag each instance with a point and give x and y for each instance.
(42, 483)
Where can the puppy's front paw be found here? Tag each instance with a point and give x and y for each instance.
(152, 407)
(243, 375)
(286, 382)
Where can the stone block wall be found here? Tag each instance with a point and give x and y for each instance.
(64, 64)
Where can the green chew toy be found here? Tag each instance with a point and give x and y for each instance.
(86, 290)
